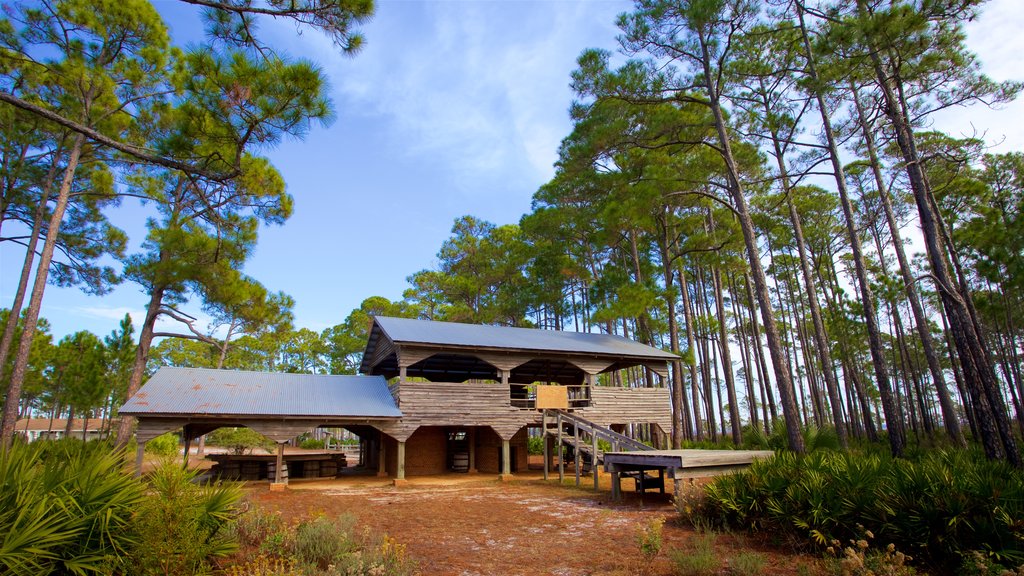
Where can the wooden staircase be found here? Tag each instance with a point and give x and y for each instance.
(584, 440)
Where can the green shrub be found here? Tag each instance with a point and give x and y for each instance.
(65, 507)
(317, 546)
(747, 563)
(649, 538)
(183, 525)
(323, 542)
(696, 559)
(937, 509)
(312, 444)
(239, 440)
(535, 445)
(254, 526)
(164, 445)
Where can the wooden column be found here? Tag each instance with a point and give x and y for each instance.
(616, 482)
(561, 460)
(593, 457)
(382, 467)
(139, 453)
(401, 374)
(576, 450)
(472, 450)
(400, 472)
(506, 458)
(544, 435)
(279, 464)
(504, 376)
(188, 446)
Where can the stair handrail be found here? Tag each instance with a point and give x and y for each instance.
(602, 432)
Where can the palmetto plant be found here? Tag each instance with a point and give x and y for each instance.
(938, 508)
(65, 508)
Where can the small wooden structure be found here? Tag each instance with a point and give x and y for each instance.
(264, 466)
(675, 464)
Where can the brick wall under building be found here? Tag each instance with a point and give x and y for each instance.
(426, 451)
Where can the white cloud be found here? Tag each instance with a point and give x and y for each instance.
(480, 88)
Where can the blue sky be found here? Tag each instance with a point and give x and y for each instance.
(452, 108)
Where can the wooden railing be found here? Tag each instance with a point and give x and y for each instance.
(579, 396)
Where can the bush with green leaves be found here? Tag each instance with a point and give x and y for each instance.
(697, 558)
(239, 440)
(318, 546)
(163, 445)
(938, 509)
(183, 525)
(65, 508)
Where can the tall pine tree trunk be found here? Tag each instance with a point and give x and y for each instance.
(949, 416)
(979, 376)
(782, 375)
(896, 435)
(13, 396)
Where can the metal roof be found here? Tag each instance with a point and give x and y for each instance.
(432, 333)
(204, 391)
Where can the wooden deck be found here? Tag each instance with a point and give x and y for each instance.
(678, 464)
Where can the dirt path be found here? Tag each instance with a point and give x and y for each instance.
(475, 525)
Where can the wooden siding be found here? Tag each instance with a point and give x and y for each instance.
(465, 404)
(458, 404)
(610, 405)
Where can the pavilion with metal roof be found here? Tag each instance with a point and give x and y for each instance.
(278, 405)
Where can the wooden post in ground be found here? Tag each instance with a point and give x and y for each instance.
(400, 472)
(139, 453)
(576, 450)
(472, 451)
(593, 456)
(506, 459)
(616, 482)
(561, 459)
(188, 446)
(544, 435)
(382, 467)
(279, 463)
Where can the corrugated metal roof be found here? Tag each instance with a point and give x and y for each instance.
(429, 332)
(235, 392)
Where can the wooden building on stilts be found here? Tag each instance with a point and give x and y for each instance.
(435, 397)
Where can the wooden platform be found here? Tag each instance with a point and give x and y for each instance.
(678, 464)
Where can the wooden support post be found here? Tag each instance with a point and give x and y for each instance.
(188, 446)
(544, 435)
(616, 482)
(279, 464)
(661, 479)
(139, 453)
(382, 463)
(593, 457)
(472, 451)
(576, 450)
(561, 450)
(400, 473)
(506, 459)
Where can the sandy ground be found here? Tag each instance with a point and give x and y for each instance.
(475, 525)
